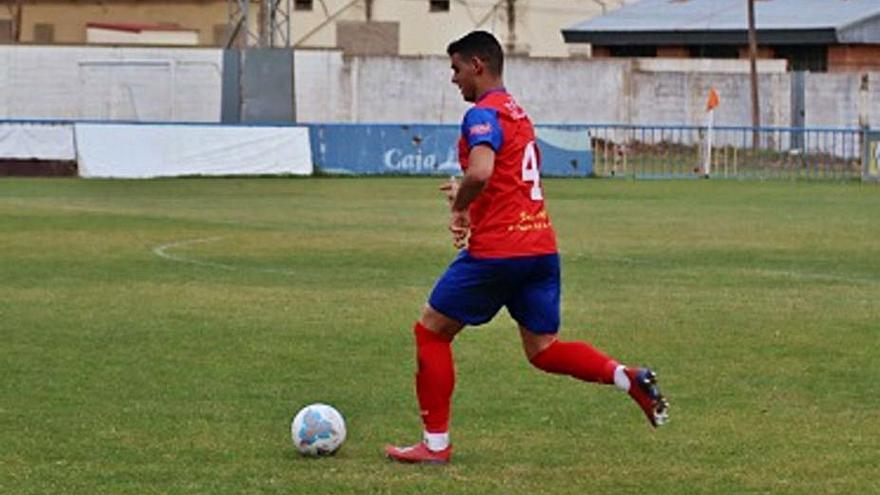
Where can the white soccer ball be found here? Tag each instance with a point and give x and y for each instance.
(318, 430)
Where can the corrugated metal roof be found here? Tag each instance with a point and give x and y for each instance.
(724, 15)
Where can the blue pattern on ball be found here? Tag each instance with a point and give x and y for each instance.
(314, 428)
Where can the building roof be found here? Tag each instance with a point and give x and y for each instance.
(135, 28)
(726, 22)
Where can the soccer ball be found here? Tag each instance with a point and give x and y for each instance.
(317, 430)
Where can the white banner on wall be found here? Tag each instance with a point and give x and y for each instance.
(36, 141)
(157, 150)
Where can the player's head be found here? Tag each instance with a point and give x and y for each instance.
(477, 62)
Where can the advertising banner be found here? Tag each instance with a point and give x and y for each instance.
(423, 149)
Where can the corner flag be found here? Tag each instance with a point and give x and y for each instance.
(714, 100)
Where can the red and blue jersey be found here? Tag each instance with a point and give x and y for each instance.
(508, 218)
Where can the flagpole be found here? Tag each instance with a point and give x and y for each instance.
(713, 101)
(707, 156)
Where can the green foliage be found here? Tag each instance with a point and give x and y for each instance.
(158, 336)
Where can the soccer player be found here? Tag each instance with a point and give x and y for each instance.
(508, 257)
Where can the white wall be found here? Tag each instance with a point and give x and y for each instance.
(555, 91)
(110, 83)
(394, 89)
(178, 84)
(874, 100)
(418, 89)
(680, 97)
(332, 88)
(321, 89)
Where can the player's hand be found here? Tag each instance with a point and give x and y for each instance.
(450, 188)
(460, 226)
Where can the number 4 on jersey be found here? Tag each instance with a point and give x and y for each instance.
(531, 172)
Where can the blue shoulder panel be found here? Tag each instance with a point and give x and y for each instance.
(481, 126)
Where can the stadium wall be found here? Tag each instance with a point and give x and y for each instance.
(183, 84)
(573, 91)
(843, 97)
(680, 97)
(105, 83)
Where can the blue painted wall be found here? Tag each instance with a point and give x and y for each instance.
(422, 149)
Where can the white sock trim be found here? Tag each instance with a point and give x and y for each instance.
(620, 378)
(437, 441)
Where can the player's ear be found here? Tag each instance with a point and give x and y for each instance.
(479, 65)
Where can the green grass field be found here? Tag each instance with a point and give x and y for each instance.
(158, 336)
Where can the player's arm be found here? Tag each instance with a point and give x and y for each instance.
(482, 132)
(481, 164)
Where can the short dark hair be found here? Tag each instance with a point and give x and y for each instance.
(482, 45)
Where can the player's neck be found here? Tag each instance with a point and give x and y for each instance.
(488, 87)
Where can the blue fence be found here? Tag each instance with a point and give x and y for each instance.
(872, 156)
(421, 149)
(672, 151)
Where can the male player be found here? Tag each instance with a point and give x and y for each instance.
(508, 258)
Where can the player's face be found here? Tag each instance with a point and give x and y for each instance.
(464, 73)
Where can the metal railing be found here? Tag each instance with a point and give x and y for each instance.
(670, 151)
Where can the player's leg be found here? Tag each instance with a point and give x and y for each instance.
(435, 382)
(464, 295)
(577, 359)
(536, 308)
(584, 362)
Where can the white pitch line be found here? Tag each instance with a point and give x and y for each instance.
(162, 252)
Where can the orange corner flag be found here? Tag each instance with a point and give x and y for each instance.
(714, 100)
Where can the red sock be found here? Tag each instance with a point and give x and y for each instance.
(577, 359)
(435, 378)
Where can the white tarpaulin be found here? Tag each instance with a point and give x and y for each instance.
(156, 150)
(36, 141)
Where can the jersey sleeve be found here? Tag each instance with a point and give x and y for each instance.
(481, 126)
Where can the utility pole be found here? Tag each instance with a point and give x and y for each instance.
(272, 26)
(511, 26)
(15, 8)
(275, 25)
(753, 62)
